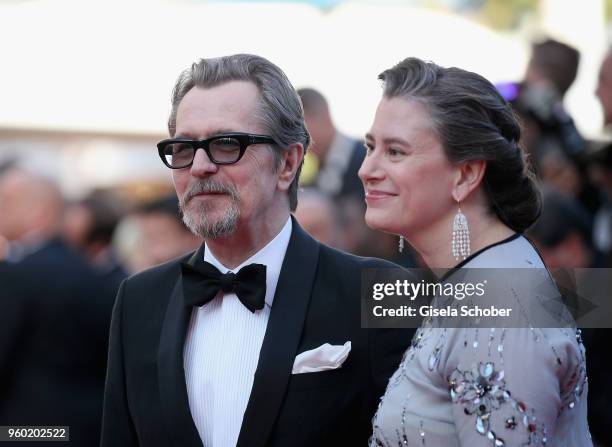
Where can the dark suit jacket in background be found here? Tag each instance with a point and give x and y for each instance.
(317, 301)
(351, 183)
(54, 319)
(14, 326)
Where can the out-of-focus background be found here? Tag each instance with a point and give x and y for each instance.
(86, 84)
(85, 200)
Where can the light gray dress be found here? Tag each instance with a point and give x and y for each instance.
(489, 387)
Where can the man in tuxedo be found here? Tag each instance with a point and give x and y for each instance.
(254, 339)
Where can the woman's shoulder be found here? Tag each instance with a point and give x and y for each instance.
(514, 252)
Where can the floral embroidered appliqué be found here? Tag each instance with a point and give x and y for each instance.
(482, 390)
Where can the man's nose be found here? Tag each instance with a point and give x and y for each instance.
(202, 165)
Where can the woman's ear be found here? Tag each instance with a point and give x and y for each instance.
(469, 176)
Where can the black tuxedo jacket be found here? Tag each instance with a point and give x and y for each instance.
(317, 301)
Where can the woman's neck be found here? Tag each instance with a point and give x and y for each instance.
(434, 242)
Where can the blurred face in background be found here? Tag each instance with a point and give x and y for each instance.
(216, 200)
(28, 204)
(604, 89)
(164, 238)
(321, 131)
(561, 173)
(14, 208)
(317, 215)
(406, 175)
(76, 224)
(570, 252)
(145, 239)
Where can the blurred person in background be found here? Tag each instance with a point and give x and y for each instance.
(557, 150)
(558, 171)
(317, 215)
(89, 225)
(4, 248)
(604, 88)
(553, 65)
(14, 327)
(563, 233)
(598, 340)
(32, 208)
(154, 233)
(4, 244)
(6, 164)
(55, 373)
(600, 172)
(600, 167)
(339, 156)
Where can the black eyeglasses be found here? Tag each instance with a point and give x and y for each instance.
(224, 149)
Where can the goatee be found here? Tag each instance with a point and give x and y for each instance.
(199, 221)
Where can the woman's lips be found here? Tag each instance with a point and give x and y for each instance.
(376, 195)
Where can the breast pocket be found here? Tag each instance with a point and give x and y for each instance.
(321, 379)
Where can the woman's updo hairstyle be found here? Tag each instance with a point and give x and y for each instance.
(473, 122)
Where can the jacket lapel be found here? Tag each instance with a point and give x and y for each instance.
(171, 373)
(282, 338)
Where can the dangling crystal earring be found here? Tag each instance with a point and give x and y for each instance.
(400, 247)
(460, 245)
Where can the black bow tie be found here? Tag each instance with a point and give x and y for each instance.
(202, 282)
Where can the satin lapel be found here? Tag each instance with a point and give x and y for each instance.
(281, 340)
(171, 373)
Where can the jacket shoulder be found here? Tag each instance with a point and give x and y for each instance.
(153, 285)
(334, 255)
(161, 271)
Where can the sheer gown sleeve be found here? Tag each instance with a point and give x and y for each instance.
(513, 387)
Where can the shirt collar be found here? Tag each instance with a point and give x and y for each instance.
(272, 256)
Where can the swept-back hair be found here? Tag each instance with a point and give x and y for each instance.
(279, 108)
(473, 122)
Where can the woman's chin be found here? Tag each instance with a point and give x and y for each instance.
(380, 224)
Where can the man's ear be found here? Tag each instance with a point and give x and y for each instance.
(292, 159)
(469, 176)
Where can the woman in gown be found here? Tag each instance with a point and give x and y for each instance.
(444, 170)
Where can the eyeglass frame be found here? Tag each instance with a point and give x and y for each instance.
(244, 139)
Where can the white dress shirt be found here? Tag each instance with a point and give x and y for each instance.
(222, 350)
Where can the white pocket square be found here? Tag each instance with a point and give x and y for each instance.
(322, 358)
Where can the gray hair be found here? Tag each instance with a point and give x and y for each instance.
(473, 122)
(279, 109)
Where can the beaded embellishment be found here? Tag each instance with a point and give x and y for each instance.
(482, 390)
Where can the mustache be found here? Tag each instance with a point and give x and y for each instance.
(209, 186)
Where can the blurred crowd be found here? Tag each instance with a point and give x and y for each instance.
(61, 262)
(62, 265)
(575, 228)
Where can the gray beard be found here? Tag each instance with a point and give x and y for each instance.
(199, 222)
